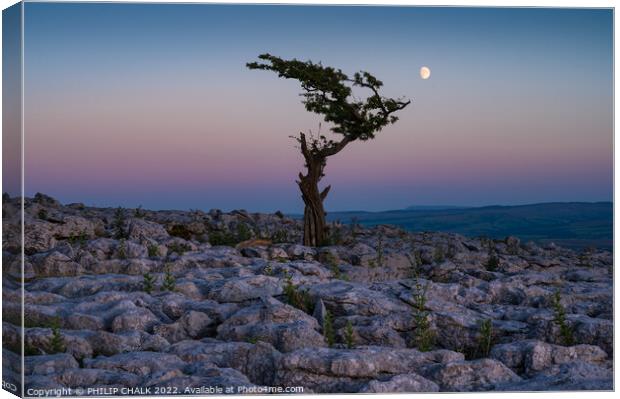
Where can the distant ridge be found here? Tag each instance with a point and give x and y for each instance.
(575, 225)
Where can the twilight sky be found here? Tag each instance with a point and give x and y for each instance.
(129, 104)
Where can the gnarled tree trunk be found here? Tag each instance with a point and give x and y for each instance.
(314, 213)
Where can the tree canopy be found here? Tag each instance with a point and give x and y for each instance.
(328, 91)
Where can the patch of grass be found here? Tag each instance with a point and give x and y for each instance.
(179, 248)
(584, 259)
(179, 230)
(380, 260)
(566, 332)
(121, 251)
(148, 282)
(280, 237)
(333, 265)
(118, 224)
(57, 342)
(78, 239)
(485, 338)
(297, 298)
(348, 335)
(328, 329)
(153, 250)
(439, 254)
(244, 232)
(139, 213)
(492, 263)
(424, 337)
(42, 214)
(169, 283)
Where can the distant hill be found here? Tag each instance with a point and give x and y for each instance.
(571, 224)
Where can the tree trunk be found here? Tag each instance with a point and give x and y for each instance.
(314, 213)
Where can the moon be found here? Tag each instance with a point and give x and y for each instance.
(425, 72)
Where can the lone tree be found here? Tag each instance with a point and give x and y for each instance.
(329, 92)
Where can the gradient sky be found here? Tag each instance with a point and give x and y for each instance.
(153, 105)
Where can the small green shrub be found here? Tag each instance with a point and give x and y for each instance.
(348, 335)
(79, 239)
(179, 230)
(57, 342)
(424, 337)
(280, 237)
(298, 298)
(355, 226)
(244, 232)
(328, 329)
(333, 265)
(380, 260)
(42, 214)
(148, 282)
(485, 338)
(439, 254)
(492, 262)
(118, 224)
(179, 248)
(139, 213)
(451, 252)
(169, 283)
(566, 332)
(121, 251)
(153, 250)
(584, 259)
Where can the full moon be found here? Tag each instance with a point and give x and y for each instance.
(425, 72)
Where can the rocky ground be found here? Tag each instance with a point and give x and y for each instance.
(187, 300)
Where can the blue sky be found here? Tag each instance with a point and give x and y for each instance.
(132, 104)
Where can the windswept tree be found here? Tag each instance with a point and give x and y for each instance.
(329, 92)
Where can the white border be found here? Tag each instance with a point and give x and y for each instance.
(474, 3)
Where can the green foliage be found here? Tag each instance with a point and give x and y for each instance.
(253, 340)
(139, 213)
(268, 270)
(354, 226)
(169, 281)
(179, 230)
(42, 214)
(380, 259)
(121, 251)
(332, 261)
(79, 239)
(335, 236)
(222, 238)
(57, 342)
(244, 232)
(280, 237)
(424, 337)
(228, 238)
(295, 297)
(348, 335)
(328, 329)
(178, 247)
(492, 262)
(153, 250)
(451, 252)
(328, 92)
(118, 224)
(584, 259)
(148, 282)
(485, 338)
(439, 254)
(566, 332)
